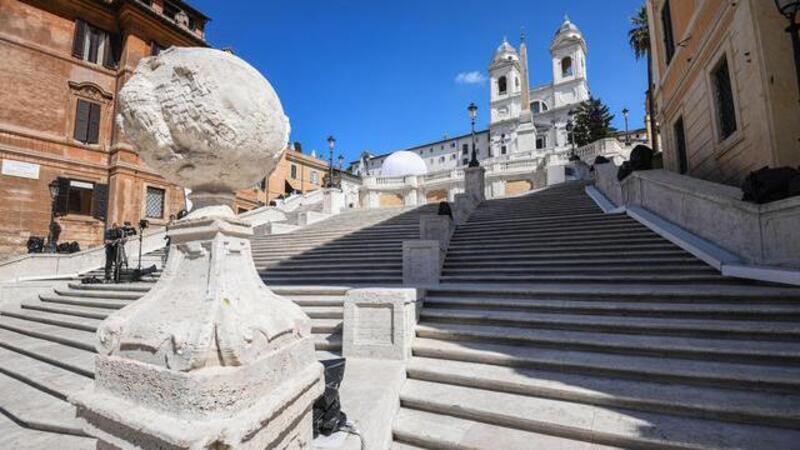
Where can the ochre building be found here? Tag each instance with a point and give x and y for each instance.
(63, 65)
(726, 91)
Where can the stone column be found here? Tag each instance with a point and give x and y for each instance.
(475, 183)
(209, 358)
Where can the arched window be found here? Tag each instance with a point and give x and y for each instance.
(566, 67)
(538, 106)
(501, 85)
(516, 81)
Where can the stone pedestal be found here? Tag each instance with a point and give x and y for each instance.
(436, 228)
(379, 323)
(555, 175)
(475, 183)
(209, 358)
(422, 262)
(333, 201)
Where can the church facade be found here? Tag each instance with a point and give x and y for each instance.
(525, 122)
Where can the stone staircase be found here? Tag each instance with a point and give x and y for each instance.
(559, 327)
(355, 247)
(47, 344)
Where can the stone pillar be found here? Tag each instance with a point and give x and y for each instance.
(410, 197)
(373, 200)
(422, 263)
(209, 358)
(333, 201)
(379, 323)
(436, 228)
(498, 188)
(475, 183)
(555, 175)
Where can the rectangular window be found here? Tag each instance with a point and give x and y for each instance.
(94, 45)
(79, 197)
(669, 38)
(503, 150)
(464, 149)
(314, 177)
(452, 145)
(541, 142)
(680, 145)
(154, 203)
(465, 161)
(723, 95)
(294, 172)
(87, 122)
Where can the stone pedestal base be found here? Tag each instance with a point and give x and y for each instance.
(333, 201)
(379, 323)
(422, 262)
(210, 358)
(475, 183)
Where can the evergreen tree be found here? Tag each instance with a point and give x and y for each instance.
(592, 121)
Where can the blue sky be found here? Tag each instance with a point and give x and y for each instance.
(382, 75)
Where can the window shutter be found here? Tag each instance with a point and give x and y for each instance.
(100, 201)
(60, 203)
(94, 124)
(77, 41)
(112, 50)
(82, 120)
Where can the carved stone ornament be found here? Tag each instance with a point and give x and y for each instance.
(209, 358)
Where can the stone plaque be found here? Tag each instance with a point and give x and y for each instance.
(20, 169)
(375, 324)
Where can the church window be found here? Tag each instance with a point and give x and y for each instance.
(501, 85)
(516, 81)
(566, 67)
(503, 150)
(541, 142)
(464, 149)
(723, 94)
(669, 37)
(87, 122)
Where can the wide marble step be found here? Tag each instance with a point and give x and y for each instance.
(592, 423)
(785, 379)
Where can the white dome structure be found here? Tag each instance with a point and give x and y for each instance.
(505, 52)
(403, 163)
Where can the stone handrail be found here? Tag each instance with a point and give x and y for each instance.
(609, 146)
(55, 265)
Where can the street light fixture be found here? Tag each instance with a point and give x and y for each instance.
(331, 145)
(54, 191)
(625, 113)
(341, 161)
(790, 10)
(473, 113)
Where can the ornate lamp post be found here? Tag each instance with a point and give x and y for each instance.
(473, 113)
(54, 191)
(790, 9)
(331, 145)
(625, 113)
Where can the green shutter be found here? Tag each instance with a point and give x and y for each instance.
(93, 131)
(77, 41)
(60, 203)
(82, 120)
(100, 201)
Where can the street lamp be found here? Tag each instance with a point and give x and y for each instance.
(625, 113)
(54, 191)
(473, 113)
(790, 9)
(331, 145)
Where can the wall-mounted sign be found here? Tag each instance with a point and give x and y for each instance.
(81, 184)
(20, 169)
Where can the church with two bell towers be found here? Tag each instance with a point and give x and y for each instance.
(528, 120)
(525, 121)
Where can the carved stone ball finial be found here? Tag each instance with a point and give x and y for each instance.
(204, 119)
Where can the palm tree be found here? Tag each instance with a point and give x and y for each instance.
(639, 38)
